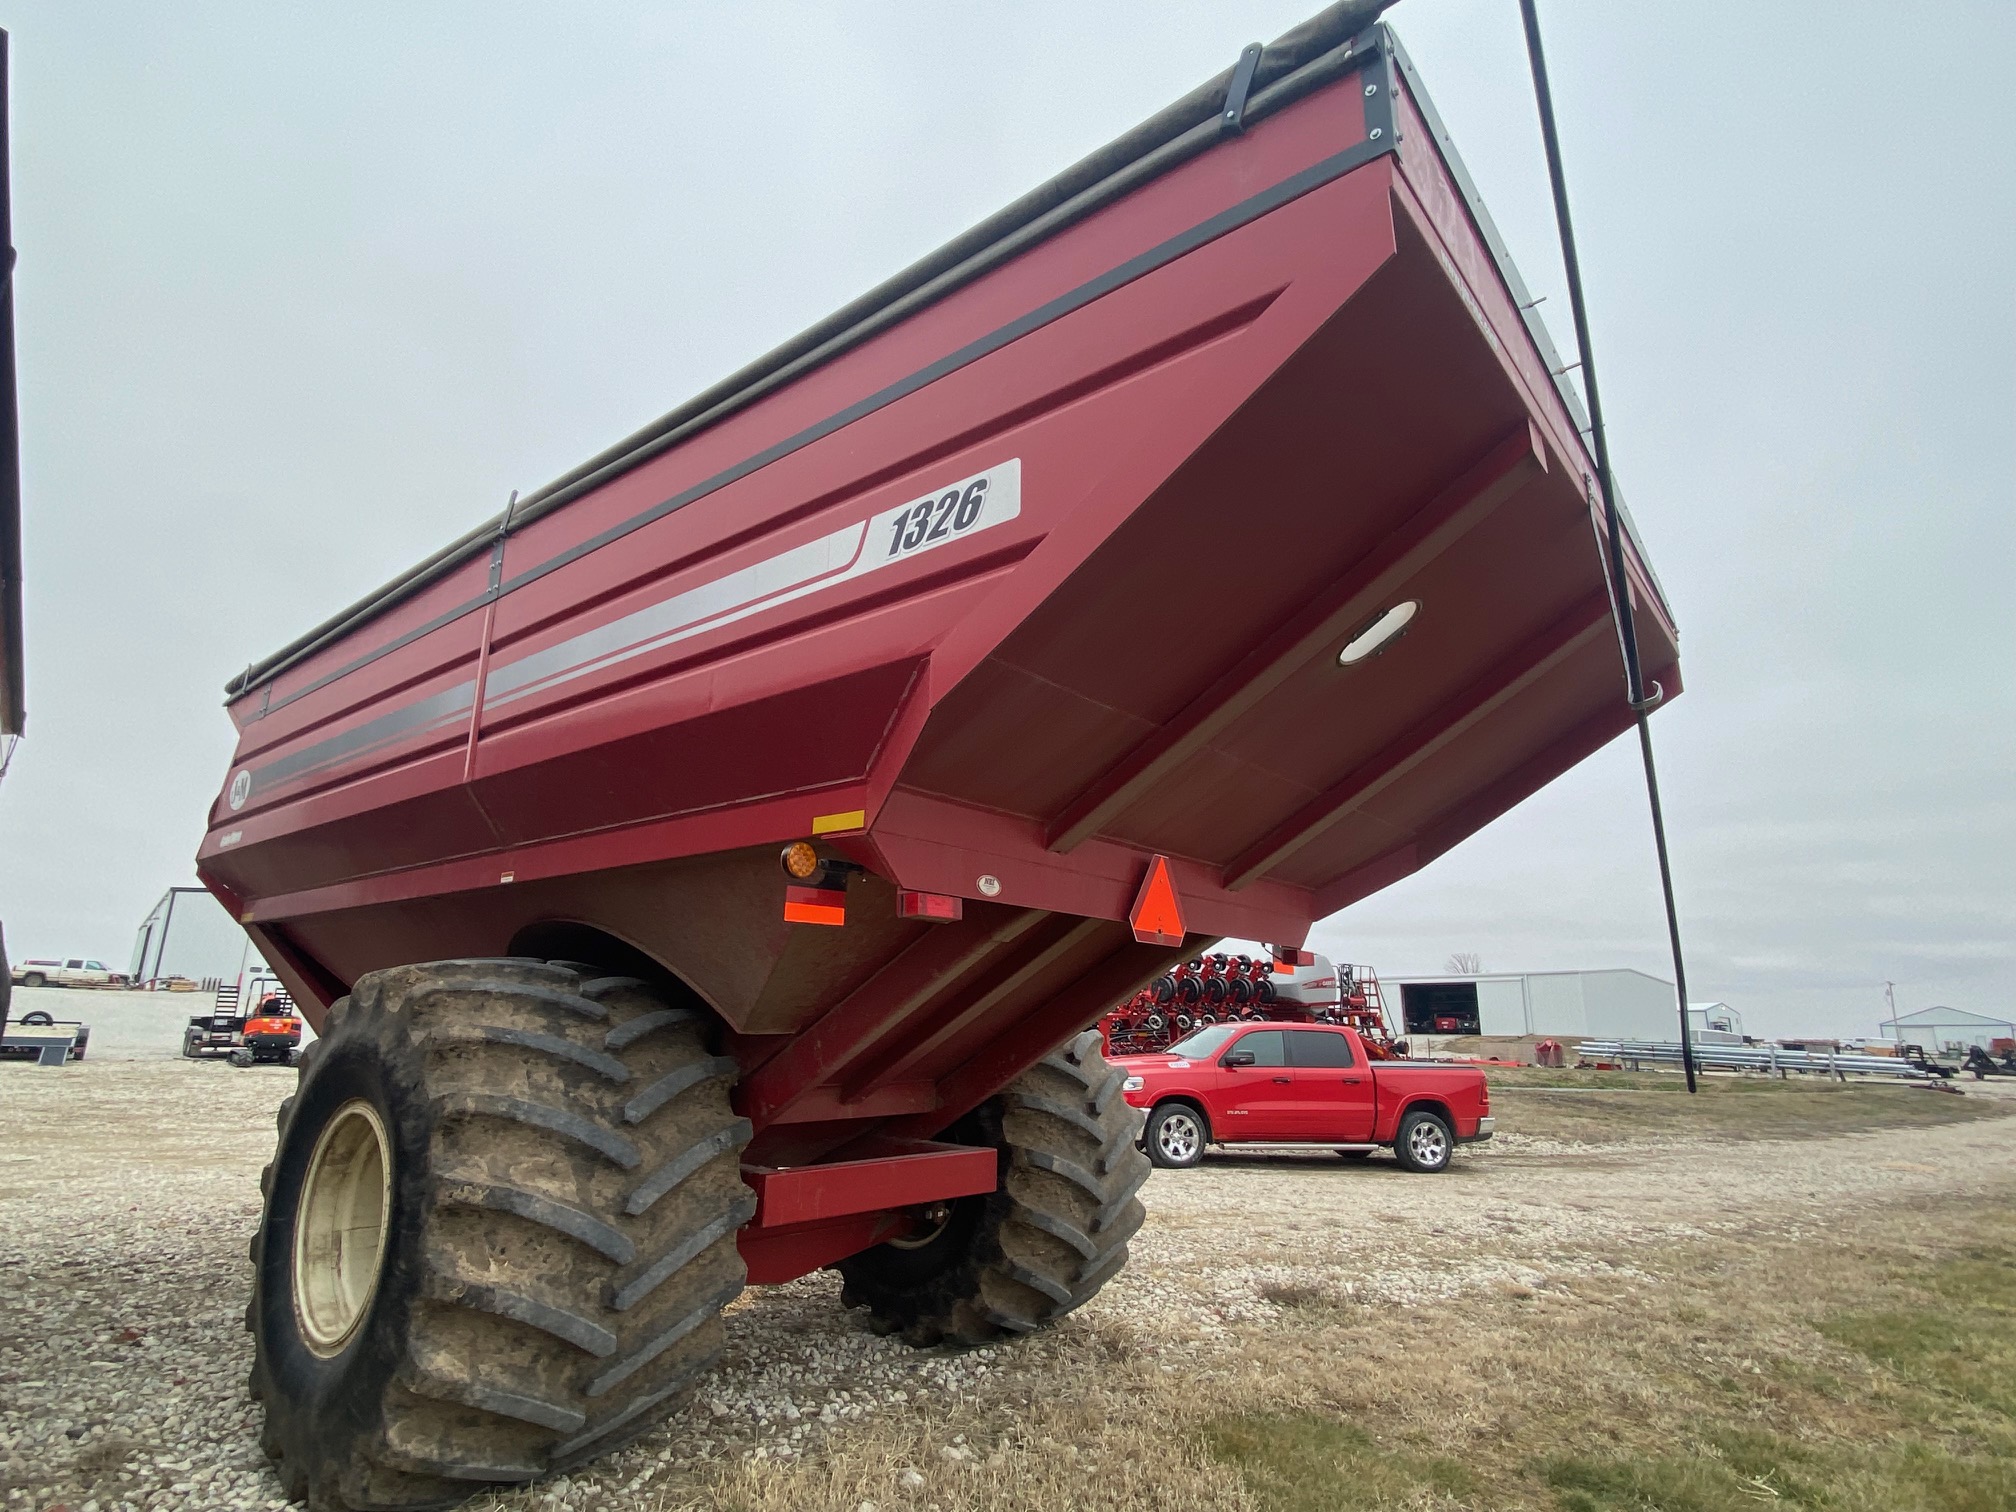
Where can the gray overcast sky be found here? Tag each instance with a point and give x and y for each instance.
(304, 292)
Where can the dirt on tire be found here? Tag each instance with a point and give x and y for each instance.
(564, 1194)
(1045, 1241)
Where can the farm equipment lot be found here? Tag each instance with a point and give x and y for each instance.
(1628, 1296)
(124, 1025)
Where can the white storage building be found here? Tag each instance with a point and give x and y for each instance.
(1613, 1004)
(1947, 1031)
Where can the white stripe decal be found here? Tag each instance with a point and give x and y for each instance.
(941, 517)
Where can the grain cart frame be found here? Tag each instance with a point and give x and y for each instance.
(510, 828)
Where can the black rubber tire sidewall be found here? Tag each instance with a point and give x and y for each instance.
(904, 1267)
(1050, 1235)
(321, 1403)
(913, 1283)
(34, 979)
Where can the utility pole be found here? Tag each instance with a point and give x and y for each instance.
(1640, 703)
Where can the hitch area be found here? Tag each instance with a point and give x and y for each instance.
(809, 1217)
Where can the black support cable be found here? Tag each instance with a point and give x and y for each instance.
(13, 691)
(1620, 586)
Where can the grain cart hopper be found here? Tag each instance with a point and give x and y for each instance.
(510, 828)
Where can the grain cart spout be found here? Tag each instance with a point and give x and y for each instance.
(709, 870)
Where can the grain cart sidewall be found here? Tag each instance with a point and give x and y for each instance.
(337, 1398)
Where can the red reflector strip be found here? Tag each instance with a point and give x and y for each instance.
(815, 905)
(815, 913)
(939, 907)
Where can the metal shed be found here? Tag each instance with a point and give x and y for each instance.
(1619, 1003)
(1947, 1031)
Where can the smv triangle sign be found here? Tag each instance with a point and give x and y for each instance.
(1157, 915)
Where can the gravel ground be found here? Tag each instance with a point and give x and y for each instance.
(127, 1192)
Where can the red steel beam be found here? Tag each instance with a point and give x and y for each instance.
(1456, 824)
(910, 1173)
(1455, 509)
(941, 955)
(826, 1104)
(807, 1217)
(917, 1046)
(1508, 677)
(777, 1255)
(1027, 1040)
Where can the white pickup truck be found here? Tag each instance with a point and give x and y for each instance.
(74, 972)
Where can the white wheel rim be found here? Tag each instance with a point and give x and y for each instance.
(339, 1226)
(1428, 1144)
(1179, 1138)
(927, 1232)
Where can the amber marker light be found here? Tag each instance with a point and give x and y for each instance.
(800, 860)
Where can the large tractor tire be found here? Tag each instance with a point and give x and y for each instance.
(499, 1231)
(1046, 1239)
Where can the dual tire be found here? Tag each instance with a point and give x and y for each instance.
(500, 1227)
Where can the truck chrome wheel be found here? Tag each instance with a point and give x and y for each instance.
(339, 1227)
(1179, 1138)
(1425, 1142)
(1428, 1144)
(1176, 1136)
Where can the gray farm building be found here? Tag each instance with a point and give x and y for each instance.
(1612, 1004)
(1947, 1031)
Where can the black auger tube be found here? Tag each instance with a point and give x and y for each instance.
(1620, 588)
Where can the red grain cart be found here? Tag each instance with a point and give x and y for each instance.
(510, 828)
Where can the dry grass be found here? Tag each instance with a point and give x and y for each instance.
(1880, 1378)
(1869, 1371)
(1123, 1444)
(1610, 1107)
(1741, 1353)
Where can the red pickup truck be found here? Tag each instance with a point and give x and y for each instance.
(1302, 1084)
